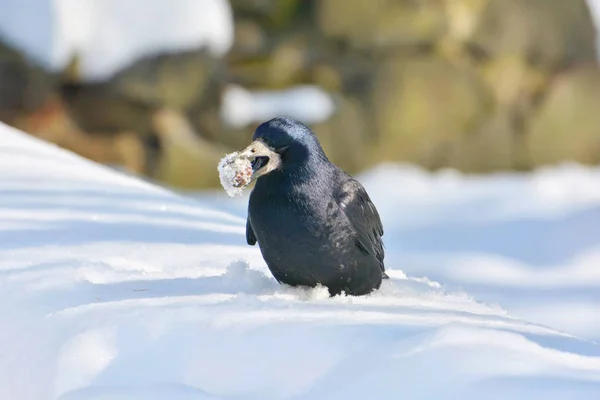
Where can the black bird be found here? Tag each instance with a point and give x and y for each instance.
(313, 222)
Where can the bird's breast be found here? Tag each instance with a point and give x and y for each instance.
(289, 226)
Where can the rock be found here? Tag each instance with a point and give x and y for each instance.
(382, 24)
(102, 108)
(188, 161)
(271, 14)
(512, 79)
(51, 122)
(289, 61)
(170, 80)
(327, 77)
(420, 105)
(29, 100)
(123, 150)
(547, 33)
(24, 86)
(517, 87)
(463, 17)
(346, 137)
(286, 63)
(249, 39)
(127, 101)
(567, 127)
(493, 146)
(204, 113)
(357, 72)
(469, 84)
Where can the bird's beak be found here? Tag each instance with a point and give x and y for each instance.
(263, 159)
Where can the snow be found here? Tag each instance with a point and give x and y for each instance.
(108, 35)
(113, 288)
(307, 103)
(594, 6)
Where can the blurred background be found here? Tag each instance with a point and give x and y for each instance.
(164, 88)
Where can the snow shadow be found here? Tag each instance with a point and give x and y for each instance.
(537, 241)
(71, 217)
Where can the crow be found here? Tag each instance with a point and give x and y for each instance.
(313, 222)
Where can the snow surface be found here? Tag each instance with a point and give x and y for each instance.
(112, 288)
(108, 35)
(594, 6)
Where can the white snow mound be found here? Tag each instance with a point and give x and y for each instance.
(108, 35)
(111, 288)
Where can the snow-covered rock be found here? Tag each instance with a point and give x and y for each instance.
(108, 35)
(112, 288)
(594, 6)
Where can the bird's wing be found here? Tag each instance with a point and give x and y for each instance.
(250, 238)
(354, 201)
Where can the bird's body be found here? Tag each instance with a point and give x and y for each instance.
(313, 222)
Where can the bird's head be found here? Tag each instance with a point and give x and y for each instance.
(282, 143)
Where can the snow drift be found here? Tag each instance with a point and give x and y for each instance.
(112, 288)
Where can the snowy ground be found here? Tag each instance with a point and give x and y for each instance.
(111, 288)
(528, 242)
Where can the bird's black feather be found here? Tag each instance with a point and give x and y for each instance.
(314, 223)
(353, 199)
(250, 238)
